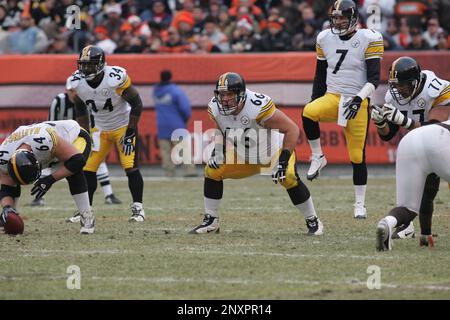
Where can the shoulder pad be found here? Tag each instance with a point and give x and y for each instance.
(322, 34)
(372, 35)
(116, 76)
(388, 97)
(73, 80)
(435, 84)
(212, 106)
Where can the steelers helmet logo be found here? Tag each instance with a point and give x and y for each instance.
(355, 43)
(245, 120)
(421, 103)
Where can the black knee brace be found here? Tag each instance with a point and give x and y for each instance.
(299, 193)
(311, 128)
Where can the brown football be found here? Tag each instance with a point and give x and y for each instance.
(14, 224)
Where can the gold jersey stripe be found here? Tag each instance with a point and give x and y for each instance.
(263, 115)
(442, 98)
(267, 106)
(122, 87)
(319, 51)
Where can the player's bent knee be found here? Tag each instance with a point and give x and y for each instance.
(310, 112)
(290, 182)
(214, 174)
(356, 157)
(75, 163)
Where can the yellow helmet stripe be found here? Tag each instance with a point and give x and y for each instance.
(393, 68)
(16, 171)
(85, 53)
(222, 79)
(338, 4)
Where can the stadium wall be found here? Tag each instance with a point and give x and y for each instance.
(28, 84)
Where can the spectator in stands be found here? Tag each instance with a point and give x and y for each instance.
(202, 44)
(417, 42)
(432, 32)
(244, 39)
(386, 10)
(158, 14)
(390, 37)
(79, 38)
(288, 10)
(44, 13)
(275, 38)
(173, 111)
(15, 9)
(139, 28)
(442, 8)
(185, 14)
(29, 39)
(103, 40)
(199, 16)
(321, 8)
(403, 37)
(443, 41)
(225, 24)
(174, 43)
(216, 36)
(306, 40)
(113, 21)
(129, 43)
(58, 45)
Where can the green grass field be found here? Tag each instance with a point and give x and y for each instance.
(262, 251)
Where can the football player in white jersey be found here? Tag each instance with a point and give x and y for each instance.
(347, 73)
(258, 135)
(64, 146)
(116, 107)
(415, 98)
(421, 152)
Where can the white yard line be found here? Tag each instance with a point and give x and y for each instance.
(239, 281)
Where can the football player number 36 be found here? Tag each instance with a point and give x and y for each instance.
(108, 105)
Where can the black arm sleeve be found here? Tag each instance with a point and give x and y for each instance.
(393, 128)
(373, 71)
(320, 79)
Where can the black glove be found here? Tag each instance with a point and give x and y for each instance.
(352, 107)
(215, 161)
(42, 186)
(279, 172)
(6, 210)
(128, 141)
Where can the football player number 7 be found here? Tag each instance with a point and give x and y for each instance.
(343, 53)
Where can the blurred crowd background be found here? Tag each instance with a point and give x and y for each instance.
(215, 26)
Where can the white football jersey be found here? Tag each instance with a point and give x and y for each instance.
(435, 91)
(41, 137)
(346, 59)
(257, 146)
(109, 109)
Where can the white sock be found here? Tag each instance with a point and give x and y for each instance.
(307, 208)
(391, 221)
(212, 206)
(315, 146)
(82, 201)
(107, 190)
(360, 194)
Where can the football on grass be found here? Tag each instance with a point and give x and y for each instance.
(14, 224)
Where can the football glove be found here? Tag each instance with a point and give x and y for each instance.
(394, 115)
(352, 107)
(4, 215)
(128, 141)
(378, 116)
(215, 161)
(279, 172)
(42, 186)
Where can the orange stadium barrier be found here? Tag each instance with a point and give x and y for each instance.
(189, 68)
(34, 70)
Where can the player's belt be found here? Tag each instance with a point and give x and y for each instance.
(444, 125)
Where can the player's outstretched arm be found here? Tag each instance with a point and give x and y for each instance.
(285, 125)
(131, 95)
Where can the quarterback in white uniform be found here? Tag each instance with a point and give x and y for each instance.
(29, 149)
(116, 107)
(347, 73)
(415, 98)
(254, 135)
